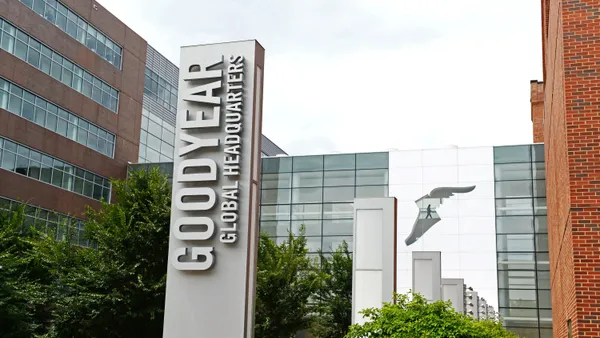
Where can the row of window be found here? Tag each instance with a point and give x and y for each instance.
(30, 50)
(34, 108)
(335, 227)
(157, 139)
(325, 243)
(306, 211)
(521, 207)
(521, 189)
(523, 261)
(273, 165)
(520, 171)
(28, 162)
(511, 298)
(320, 195)
(519, 154)
(522, 242)
(524, 280)
(160, 90)
(521, 224)
(336, 178)
(50, 221)
(74, 25)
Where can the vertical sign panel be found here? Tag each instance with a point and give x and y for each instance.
(214, 216)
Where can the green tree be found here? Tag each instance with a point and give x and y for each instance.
(412, 316)
(286, 279)
(116, 289)
(334, 298)
(25, 281)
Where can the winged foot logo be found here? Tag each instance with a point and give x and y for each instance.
(428, 215)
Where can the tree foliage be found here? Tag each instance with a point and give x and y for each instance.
(25, 292)
(286, 279)
(412, 316)
(334, 298)
(118, 288)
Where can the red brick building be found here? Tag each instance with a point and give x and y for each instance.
(570, 129)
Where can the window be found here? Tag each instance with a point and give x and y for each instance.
(372, 161)
(156, 139)
(306, 211)
(338, 194)
(78, 28)
(275, 212)
(275, 196)
(60, 68)
(512, 171)
(308, 179)
(307, 195)
(35, 108)
(308, 163)
(514, 189)
(372, 191)
(512, 154)
(159, 89)
(339, 178)
(276, 181)
(27, 162)
(276, 165)
(372, 177)
(340, 162)
(514, 224)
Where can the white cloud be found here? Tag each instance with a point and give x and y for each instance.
(365, 75)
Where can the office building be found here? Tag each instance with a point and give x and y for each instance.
(81, 97)
(482, 208)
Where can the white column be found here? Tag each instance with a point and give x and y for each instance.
(374, 263)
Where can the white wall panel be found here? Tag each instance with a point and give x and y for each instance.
(406, 158)
(440, 157)
(465, 232)
(440, 174)
(475, 156)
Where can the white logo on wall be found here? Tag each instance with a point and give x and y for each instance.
(204, 178)
(428, 205)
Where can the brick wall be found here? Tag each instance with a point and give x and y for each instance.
(571, 30)
(537, 110)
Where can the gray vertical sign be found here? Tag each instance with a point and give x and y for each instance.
(214, 215)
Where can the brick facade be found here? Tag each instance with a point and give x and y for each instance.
(537, 111)
(571, 43)
(125, 125)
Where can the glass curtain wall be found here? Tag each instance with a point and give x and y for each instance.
(522, 240)
(317, 192)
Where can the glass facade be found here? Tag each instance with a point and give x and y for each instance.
(161, 90)
(41, 167)
(30, 50)
(38, 110)
(522, 240)
(157, 139)
(74, 25)
(317, 192)
(50, 221)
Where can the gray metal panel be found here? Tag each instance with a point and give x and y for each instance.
(157, 109)
(162, 66)
(271, 149)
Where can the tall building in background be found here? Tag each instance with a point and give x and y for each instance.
(522, 240)
(71, 86)
(570, 130)
(81, 97)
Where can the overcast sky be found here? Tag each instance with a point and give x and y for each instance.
(370, 75)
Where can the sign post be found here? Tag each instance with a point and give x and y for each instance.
(213, 242)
